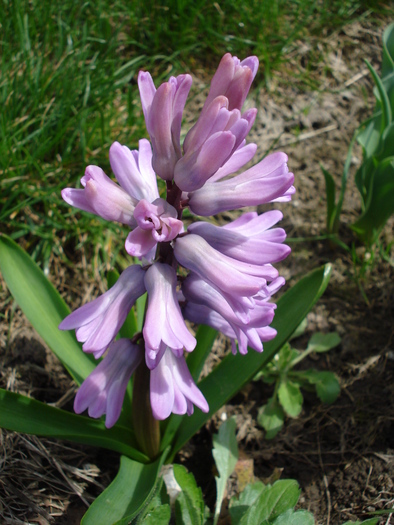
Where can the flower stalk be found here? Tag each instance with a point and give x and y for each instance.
(146, 427)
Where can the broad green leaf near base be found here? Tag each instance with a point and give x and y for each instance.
(23, 414)
(43, 307)
(127, 495)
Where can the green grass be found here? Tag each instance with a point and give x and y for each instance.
(68, 90)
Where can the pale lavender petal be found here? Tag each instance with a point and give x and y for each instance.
(103, 390)
(237, 160)
(164, 323)
(133, 170)
(172, 388)
(227, 274)
(268, 180)
(140, 242)
(161, 391)
(147, 91)
(102, 197)
(98, 322)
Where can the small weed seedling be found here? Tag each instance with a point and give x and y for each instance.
(287, 398)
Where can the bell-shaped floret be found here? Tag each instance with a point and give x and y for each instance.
(164, 324)
(172, 388)
(163, 110)
(248, 238)
(98, 322)
(103, 390)
(265, 182)
(233, 79)
(217, 134)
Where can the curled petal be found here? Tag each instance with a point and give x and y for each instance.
(172, 388)
(269, 180)
(103, 390)
(97, 323)
(163, 108)
(102, 197)
(133, 170)
(164, 325)
(226, 274)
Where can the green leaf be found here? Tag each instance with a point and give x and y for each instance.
(205, 337)
(158, 516)
(388, 51)
(43, 307)
(300, 330)
(274, 501)
(240, 506)
(225, 454)
(320, 342)
(370, 521)
(380, 203)
(189, 505)
(127, 495)
(23, 414)
(384, 99)
(326, 384)
(235, 371)
(330, 200)
(271, 418)
(290, 398)
(300, 517)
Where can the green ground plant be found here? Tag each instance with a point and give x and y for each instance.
(287, 399)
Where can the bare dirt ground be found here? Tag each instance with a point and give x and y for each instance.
(342, 454)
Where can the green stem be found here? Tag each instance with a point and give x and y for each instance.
(146, 427)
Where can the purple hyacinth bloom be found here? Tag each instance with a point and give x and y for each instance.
(225, 273)
(163, 110)
(217, 134)
(103, 390)
(204, 302)
(103, 197)
(248, 238)
(233, 79)
(172, 388)
(164, 324)
(266, 181)
(97, 323)
(157, 222)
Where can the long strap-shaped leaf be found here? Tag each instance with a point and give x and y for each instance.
(127, 495)
(23, 414)
(43, 306)
(235, 371)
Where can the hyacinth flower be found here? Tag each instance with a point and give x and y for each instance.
(221, 276)
(103, 390)
(97, 323)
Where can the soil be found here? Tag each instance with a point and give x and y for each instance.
(341, 454)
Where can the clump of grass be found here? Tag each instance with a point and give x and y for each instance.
(67, 89)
